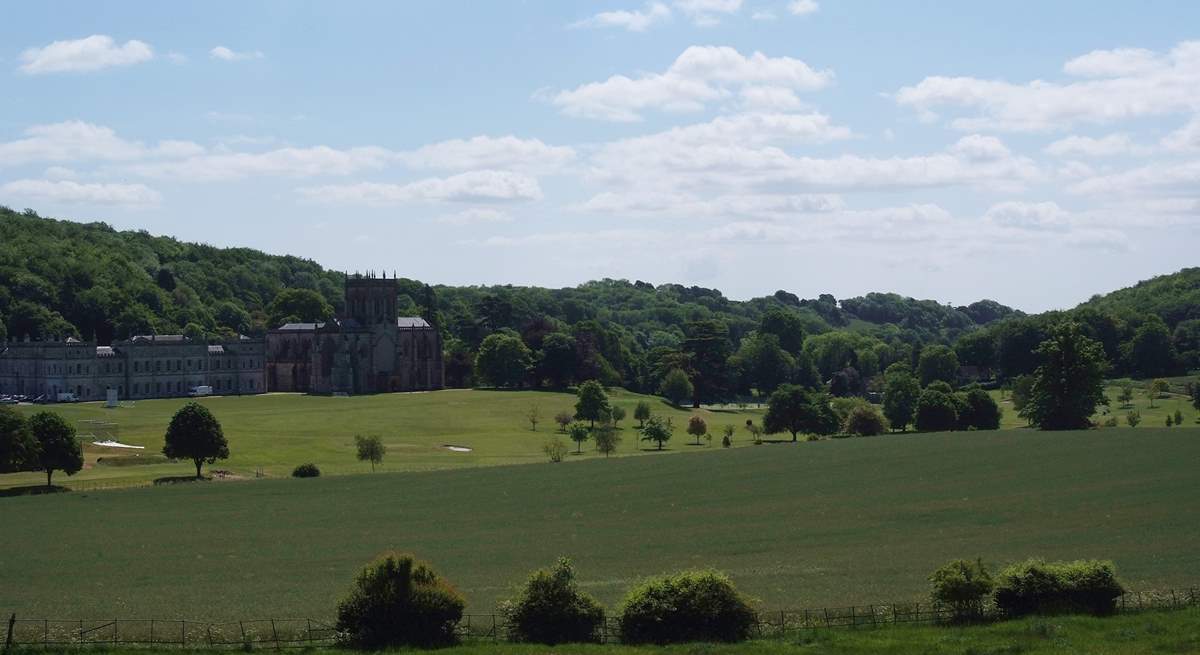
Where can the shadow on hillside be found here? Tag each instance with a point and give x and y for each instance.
(178, 479)
(35, 490)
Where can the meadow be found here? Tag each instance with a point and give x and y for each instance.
(270, 434)
(827, 523)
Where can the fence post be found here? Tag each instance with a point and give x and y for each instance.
(826, 617)
(495, 634)
(183, 633)
(242, 629)
(115, 639)
(208, 630)
(151, 631)
(782, 624)
(12, 620)
(80, 632)
(894, 617)
(275, 634)
(872, 615)
(46, 632)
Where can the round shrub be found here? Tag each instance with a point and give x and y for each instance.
(865, 421)
(978, 410)
(685, 607)
(962, 586)
(936, 411)
(1038, 587)
(550, 609)
(306, 471)
(399, 601)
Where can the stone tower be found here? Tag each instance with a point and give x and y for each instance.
(371, 300)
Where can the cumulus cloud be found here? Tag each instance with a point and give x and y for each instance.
(67, 191)
(700, 75)
(93, 53)
(978, 147)
(81, 141)
(803, 7)
(1084, 146)
(707, 12)
(1186, 138)
(1117, 85)
(476, 216)
(1028, 215)
(485, 152)
(1156, 177)
(285, 162)
(631, 20)
(222, 53)
(472, 186)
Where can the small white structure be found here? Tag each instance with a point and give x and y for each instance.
(111, 401)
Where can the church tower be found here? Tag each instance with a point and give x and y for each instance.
(371, 300)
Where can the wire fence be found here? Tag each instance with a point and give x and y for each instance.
(282, 634)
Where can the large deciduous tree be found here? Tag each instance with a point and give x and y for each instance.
(708, 346)
(676, 387)
(786, 326)
(1151, 352)
(795, 409)
(937, 363)
(503, 360)
(18, 447)
(761, 363)
(57, 448)
(195, 434)
(937, 411)
(1069, 382)
(592, 404)
(900, 393)
(300, 304)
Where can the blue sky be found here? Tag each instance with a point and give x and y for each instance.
(1031, 152)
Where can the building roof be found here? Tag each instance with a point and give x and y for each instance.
(300, 326)
(165, 338)
(412, 322)
(104, 351)
(216, 350)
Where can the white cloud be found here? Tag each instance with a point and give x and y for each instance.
(177, 58)
(1186, 138)
(1120, 84)
(1184, 176)
(66, 191)
(803, 7)
(60, 173)
(705, 13)
(473, 186)
(225, 54)
(700, 75)
(1028, 215)
(978, 147)
(485, 152)
(631, 20)
(769, 98)
(287, 162)
(93, 53)
(476, 216)
(764, 15)
(1084, 146)
(80, 141)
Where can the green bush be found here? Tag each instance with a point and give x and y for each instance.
(962, 586)
(1038, 587)
(865, 421)
(306, 471)
(978, 410)
(685, 607)
(399, 601)
(937, 411)
(550, 609)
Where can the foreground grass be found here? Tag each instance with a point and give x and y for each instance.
(1157, 632)
(271, 434)
(829, 523)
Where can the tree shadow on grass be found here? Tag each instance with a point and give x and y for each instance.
(179, 479)
(32, 490)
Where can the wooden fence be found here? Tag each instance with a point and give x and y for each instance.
(279, 634)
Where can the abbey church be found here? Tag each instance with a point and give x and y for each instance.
(368, 349)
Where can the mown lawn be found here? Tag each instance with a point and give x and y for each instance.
(271, 434)
(829, 523)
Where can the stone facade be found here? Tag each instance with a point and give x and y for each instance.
(366, 349)
(155, 366)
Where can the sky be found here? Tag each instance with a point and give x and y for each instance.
(1034, 153)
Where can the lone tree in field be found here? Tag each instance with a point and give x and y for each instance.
(794, 409)
(18, 448)
(578, 433)
(533, 415)
(1156, 389)
(592, 405)
(563, 419)
(57, 448)
(657, 429)
(1126, 395)
(1069, 383)
(607, 439)
(370, 449)
(900, 394)
(617, 414)
(195, 434)
(642, 412)
(697, 428)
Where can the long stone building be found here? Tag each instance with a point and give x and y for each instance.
(366, 349)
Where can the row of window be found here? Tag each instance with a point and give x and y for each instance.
(139, 366)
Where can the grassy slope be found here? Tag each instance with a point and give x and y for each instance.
(276, 432)
(1155, 417)
(824, 523)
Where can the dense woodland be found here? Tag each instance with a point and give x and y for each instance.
(60, 278)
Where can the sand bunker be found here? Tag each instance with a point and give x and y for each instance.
(457, 449)
(116, 444)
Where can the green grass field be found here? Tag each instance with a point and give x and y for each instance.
(275, 432)
(837, 522)
(1155, 416)
(1138, 634)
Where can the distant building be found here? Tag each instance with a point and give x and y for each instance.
(148, 366)
(367, 349)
